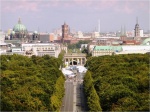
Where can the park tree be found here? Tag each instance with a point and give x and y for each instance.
(29, 84)
(121, 81)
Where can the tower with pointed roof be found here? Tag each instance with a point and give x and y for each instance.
(137, 31)
(123, 36)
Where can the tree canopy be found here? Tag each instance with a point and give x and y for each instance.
(31, 84)
(78, 45)
(90, 93)
(121, 81)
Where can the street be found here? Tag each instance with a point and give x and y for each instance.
(68, 98)
(81, 102)
(74, 100)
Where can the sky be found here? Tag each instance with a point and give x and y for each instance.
(80, 15)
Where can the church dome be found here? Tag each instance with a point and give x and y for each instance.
(13, 33)
(146, 41)
(35, 32)
(19, 27)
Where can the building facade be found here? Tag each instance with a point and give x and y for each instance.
(74, 59)
(116, 50)
(105, 50)
(40, 49)
(137, 32)
(65, 31)
(19, 32)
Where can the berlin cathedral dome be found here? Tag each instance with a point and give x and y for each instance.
(19, 31)
(19, 27)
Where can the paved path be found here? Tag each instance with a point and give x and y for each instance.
(81, 102)
(68, 98)
(74, 99)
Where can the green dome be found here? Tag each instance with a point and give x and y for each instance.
(20, 27)
(146, 41)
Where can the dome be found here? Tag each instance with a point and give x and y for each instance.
(19, 27)
(13, 32)
(146, 41)
(137, 25)
(35, 32)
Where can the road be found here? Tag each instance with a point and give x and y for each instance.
(74, 99)
(81, 101)
(68, 98)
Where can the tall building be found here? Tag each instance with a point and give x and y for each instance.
(99, 26)
(137, 32)
(123, 35)
(137, 29)
(65, 31)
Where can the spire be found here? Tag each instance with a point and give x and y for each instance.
(124, 30)
(136, 20)
(64, 23)
(19, 21)
(99, 25)
(121, 31)
(38, 30)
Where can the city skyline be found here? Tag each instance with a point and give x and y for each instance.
(81, 15)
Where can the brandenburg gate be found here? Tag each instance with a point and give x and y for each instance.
(74, 59)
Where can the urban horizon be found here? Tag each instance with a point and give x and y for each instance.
(49, 15)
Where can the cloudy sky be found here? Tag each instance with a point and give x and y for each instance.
(81, 15)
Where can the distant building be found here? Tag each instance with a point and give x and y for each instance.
(146, 41)
(79, 34)
(9, 32)
(131, 42)
(2, 37)
(4, 47)
(95, 34)
(44, 37)
(19, 32)
(40, 49)
(137, 32)
(141, 33)
(35, 37)
(52, 37)
(110, 50)
(103, 41)
(123, 35)
(127, 47)
(105, 50)
(65, 31)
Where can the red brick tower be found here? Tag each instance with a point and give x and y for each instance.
(65, 31)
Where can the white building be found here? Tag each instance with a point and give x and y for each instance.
(125, 49)
(95, 34)
(40, 49)
(79, 34)
(130, 49)
(2, 37)
(141, 33)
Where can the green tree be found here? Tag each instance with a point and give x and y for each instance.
(29, 84)
(93, 100)
(120, 81)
